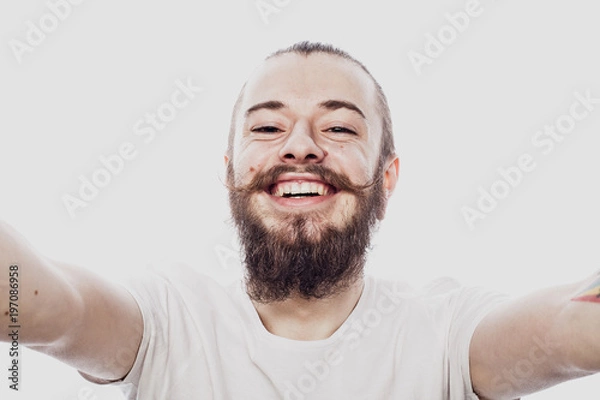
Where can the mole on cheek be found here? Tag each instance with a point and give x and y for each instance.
(252, 169)
(36, 292)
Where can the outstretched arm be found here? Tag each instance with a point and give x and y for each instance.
(537, 341)
(66, 312)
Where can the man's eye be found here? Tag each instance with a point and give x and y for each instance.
(266, 129)
(341, 129)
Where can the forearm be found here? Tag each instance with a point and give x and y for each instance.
(35, 294)
(65, 311)
(579, 325)
(536, 341)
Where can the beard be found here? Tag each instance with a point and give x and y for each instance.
(304, 255)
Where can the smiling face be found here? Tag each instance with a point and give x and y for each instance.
(302, 111)
(304, 170)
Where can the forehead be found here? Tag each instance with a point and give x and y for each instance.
(308, 80)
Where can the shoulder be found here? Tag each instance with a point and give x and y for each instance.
(444, 296)
(180, 287)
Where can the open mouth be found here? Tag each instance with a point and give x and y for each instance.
(300, 189)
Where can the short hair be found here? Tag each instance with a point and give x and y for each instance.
(306, 48)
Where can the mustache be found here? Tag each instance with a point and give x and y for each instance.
(269, 177)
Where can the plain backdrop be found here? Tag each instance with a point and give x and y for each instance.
(77, 95)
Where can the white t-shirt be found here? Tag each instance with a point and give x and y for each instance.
(205, 341)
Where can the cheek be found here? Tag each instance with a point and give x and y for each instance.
(244, 173)
(252, 167)
(355, 165)
(345, 209)
(352, 157)
(250, 160)
(246, 166)
(364, 167)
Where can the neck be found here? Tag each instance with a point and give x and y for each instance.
(313, 319)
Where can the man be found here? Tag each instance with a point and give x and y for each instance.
(310, 167)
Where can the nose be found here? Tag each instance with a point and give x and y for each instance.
(300, 146)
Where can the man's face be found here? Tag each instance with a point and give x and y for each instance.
(306, 157)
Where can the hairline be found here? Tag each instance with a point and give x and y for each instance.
(306, 49)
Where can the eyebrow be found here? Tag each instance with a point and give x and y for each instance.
(337, 104)
(328, 104)
(268, 105)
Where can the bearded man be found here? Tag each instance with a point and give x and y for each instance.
(310, 167)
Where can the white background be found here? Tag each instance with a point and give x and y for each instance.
(76, 96)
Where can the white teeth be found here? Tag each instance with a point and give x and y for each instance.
(300, 188)
(278, 191)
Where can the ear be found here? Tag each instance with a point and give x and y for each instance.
(391, 175)
(226, 162)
